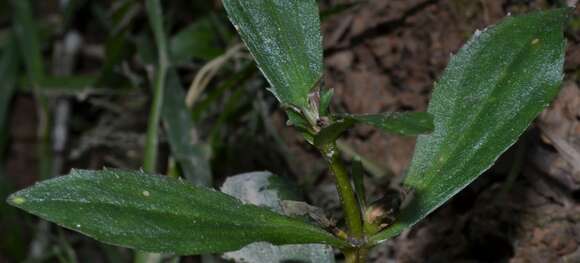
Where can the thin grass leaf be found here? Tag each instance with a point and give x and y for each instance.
(179, 128)
(155, 15)
(26, 31)
(9, 68)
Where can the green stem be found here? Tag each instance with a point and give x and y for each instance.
(356, 255)
(155, 15)
(150, 158)
(345, 191)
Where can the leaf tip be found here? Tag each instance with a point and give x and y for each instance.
(16, 200)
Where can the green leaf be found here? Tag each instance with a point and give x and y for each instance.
(77, 83)
(266, 189)
(159, 214)
(117, 49)
(9, 65)
(155, 16)
(333, 131)
(179, 128)
(121, 16)
(284, 37)
(26, 31)
(198, 40)
(488, 95)
(402, 123)
(325, 100)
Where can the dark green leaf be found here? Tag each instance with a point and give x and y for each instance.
(298, 121)
(26, 31)
(198, 40)
(160, 214)
(122, 15)
(72, 85)
(284, 37)
(117, 49)
(325, 100)
(155, 16)
(233, 106)
(488, 95)
(179, 128)
(77, 83)
(9, 63)
(402, 123)
(333, 131)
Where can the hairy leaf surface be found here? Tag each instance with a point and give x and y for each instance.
(488, 95)
(284, 38)
(159, 214)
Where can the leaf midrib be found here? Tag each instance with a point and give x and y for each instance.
(480, 110)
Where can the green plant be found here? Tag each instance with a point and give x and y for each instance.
(488, 95)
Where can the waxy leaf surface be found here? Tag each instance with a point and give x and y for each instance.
(159, 214)
(487, 97)
(284, 38)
